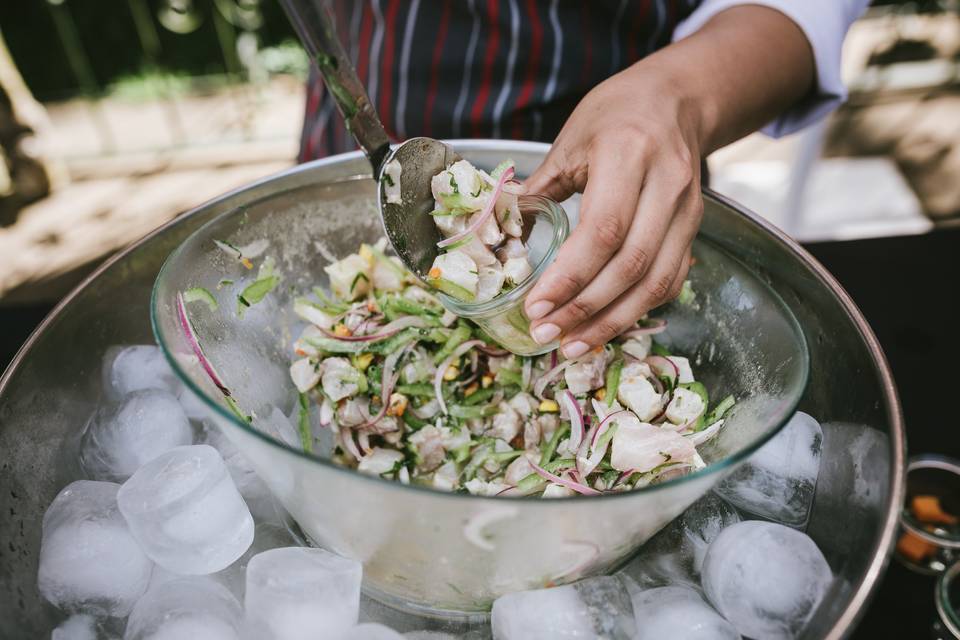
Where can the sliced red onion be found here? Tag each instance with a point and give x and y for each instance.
(526, 373)
(513, 188)
(669, 468)
(363, 439)
(658, 385)
(387, 381)
(659, 326)
(438, 376)
(663, 367)
(346, 438)
(385, 331)
(583, 452)
(570, 484)
(493, 352)
(623, 476)
(587, 464)
(474, 360)
(549, 376)
(605, 424)
(194, 342)
(504, 492)
(686, 425)
(702, 436)
(553, 358)
(568, 400)
(482, 217)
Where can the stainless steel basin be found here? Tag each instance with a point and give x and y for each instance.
(53, 384)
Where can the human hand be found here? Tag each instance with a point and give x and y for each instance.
(632, 147)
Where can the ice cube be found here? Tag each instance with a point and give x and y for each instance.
(853, 484)
(299, 592)
(592, 608)
(80, 626)
(678, 612)
(777, 482)
(765, 578)
(251, 487)
(119, 439)
(186, 608)
(89, 561)
(675, 555)
(134, 368)
(267, 535)
(185, 511)
(370, 631)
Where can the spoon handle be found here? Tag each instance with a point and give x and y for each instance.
(311, 21)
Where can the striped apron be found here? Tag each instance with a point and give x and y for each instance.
(482, 68)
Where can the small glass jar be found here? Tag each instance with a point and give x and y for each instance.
(947, 598)
(503, 318)
(924, 546)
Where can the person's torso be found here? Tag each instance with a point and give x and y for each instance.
(483, 68)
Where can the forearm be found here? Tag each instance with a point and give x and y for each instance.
(747, 65)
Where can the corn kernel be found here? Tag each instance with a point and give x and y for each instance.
(549, 406)
(372, 306)
(246, 262)
(398, 404)
(434, 272)
(363, 361)
(600, 394)
(486, 380)
(470, 390)
(342, 331)
(366, 254)
(451, 373)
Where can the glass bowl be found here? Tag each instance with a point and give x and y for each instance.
(425, 550)
(503, 317)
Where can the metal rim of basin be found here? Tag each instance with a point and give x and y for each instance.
(881, 552)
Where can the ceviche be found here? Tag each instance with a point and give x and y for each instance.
(415, 394)
(482, 253)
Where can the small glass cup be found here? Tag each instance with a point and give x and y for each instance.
(947, 597)
(926, 547)
(503, 317)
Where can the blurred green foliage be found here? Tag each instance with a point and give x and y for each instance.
(109, 38)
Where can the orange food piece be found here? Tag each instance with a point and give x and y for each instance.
(434, 272)
(914, 548)
(928, 509)
(246, 262)
(342, 331)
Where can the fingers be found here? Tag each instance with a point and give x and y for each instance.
(658, 205)
(661, 283)
(608, 207)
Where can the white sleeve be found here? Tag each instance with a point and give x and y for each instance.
(824, 23)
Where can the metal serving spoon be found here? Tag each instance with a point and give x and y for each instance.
(409, 228)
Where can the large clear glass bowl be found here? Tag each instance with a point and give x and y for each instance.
(423, 549)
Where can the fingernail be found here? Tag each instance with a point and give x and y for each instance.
(575, 349)
(545, 333)
(539, 309)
